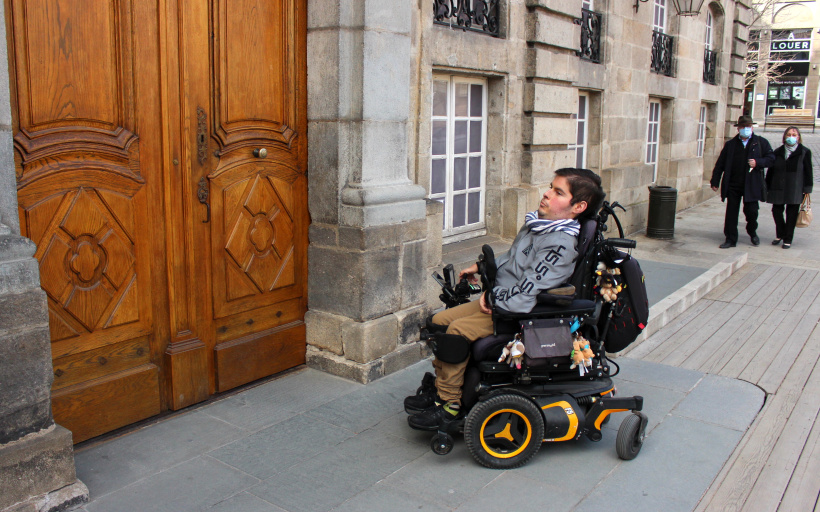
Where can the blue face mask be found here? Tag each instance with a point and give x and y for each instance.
(745, 133)
(791, 141)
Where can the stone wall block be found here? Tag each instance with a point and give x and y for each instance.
(738, 65)
(23, 311)
(387, 16)
(552, 130)
(413, 273)
(555, 99)
(736, 81)
(552, 63)
(24, 404)
(515, 204)
(550, 30)
(409, 320)
(435, 221)
(566, 7)
(40, 462)
(358, 285)
(403, 357)
(386, 78)
(336, 365)
(324, 330)
(323, 195)
(739, 48)
(323, 234)
(323, 103)
(743, 16)
(542, 165)
(740, 32)
(366, 341)
(322, 14)
(384, 149)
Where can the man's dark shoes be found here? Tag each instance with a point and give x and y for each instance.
(435, 418)
(755, 240)
(425, 396)
(727, 245)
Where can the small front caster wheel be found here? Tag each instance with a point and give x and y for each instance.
(441, 444)
(630, 437)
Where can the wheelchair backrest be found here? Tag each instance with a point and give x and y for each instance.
(582, 276)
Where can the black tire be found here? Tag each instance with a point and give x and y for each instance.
(514, 415)
(630, 437)
(442, 444)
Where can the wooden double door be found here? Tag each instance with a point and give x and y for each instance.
(160, 151)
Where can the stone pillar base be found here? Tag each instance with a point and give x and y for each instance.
(38, 473)
(399, 359)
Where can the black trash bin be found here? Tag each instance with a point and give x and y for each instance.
(661, 220)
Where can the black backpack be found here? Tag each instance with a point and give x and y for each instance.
(630, 311)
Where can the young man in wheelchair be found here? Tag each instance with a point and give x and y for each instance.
(542, 257)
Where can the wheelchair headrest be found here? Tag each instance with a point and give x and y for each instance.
(586, 236)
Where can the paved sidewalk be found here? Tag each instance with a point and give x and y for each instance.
(311, 442)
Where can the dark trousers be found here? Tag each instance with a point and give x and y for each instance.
(733, 199)
(785, 228)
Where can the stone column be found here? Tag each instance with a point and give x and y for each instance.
(36, 455)
(368, 237)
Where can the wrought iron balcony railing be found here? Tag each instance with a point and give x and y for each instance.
(590, 35)
(475, 15)
(710, 67)
(662, 53)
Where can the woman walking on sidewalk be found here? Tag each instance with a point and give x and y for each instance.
(787, 181)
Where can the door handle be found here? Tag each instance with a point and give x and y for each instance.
(202, 194)
(260, 153)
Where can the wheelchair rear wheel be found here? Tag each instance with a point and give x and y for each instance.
(504, 432)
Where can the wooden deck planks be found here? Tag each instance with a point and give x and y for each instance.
(737, 484)
(685, 332)
(714, 349)
(644, 348)
(765, 323)
(781, 463)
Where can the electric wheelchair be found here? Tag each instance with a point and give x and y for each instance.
(509, 410)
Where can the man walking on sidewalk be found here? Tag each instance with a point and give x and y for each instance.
(741, 164)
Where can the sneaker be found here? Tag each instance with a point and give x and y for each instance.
(425, 396)
(435, 418)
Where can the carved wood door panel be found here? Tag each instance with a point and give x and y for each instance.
(88, 175)
(161, 156)
(255, 172)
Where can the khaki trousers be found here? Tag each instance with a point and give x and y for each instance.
(466, 320)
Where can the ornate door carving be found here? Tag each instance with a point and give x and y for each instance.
(258, 188)
(83, 188)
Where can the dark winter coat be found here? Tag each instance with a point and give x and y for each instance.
(759, 149)
(786, 182)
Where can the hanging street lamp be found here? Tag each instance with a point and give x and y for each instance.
(688, 7)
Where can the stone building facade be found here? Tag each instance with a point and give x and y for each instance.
(419, 134)
(536, 88)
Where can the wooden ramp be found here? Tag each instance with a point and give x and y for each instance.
(760, 325)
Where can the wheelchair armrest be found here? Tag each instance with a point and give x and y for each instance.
(560, 297)
(578, 307)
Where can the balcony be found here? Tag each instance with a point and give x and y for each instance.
(590, 36)
(457, 14)
(710, 67)
(662, 45)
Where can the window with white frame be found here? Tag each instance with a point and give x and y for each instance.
(581, 132)
(659, 18)
(709, 22)
(701, 130)
(458, 152)
(652, 131)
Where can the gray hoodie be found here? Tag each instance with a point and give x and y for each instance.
(534, 263)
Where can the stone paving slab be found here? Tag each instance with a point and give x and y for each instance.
(356, 452)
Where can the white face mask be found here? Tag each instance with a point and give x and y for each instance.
(745, 133)
(791, 141)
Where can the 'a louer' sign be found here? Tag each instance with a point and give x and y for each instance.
(791, 45)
